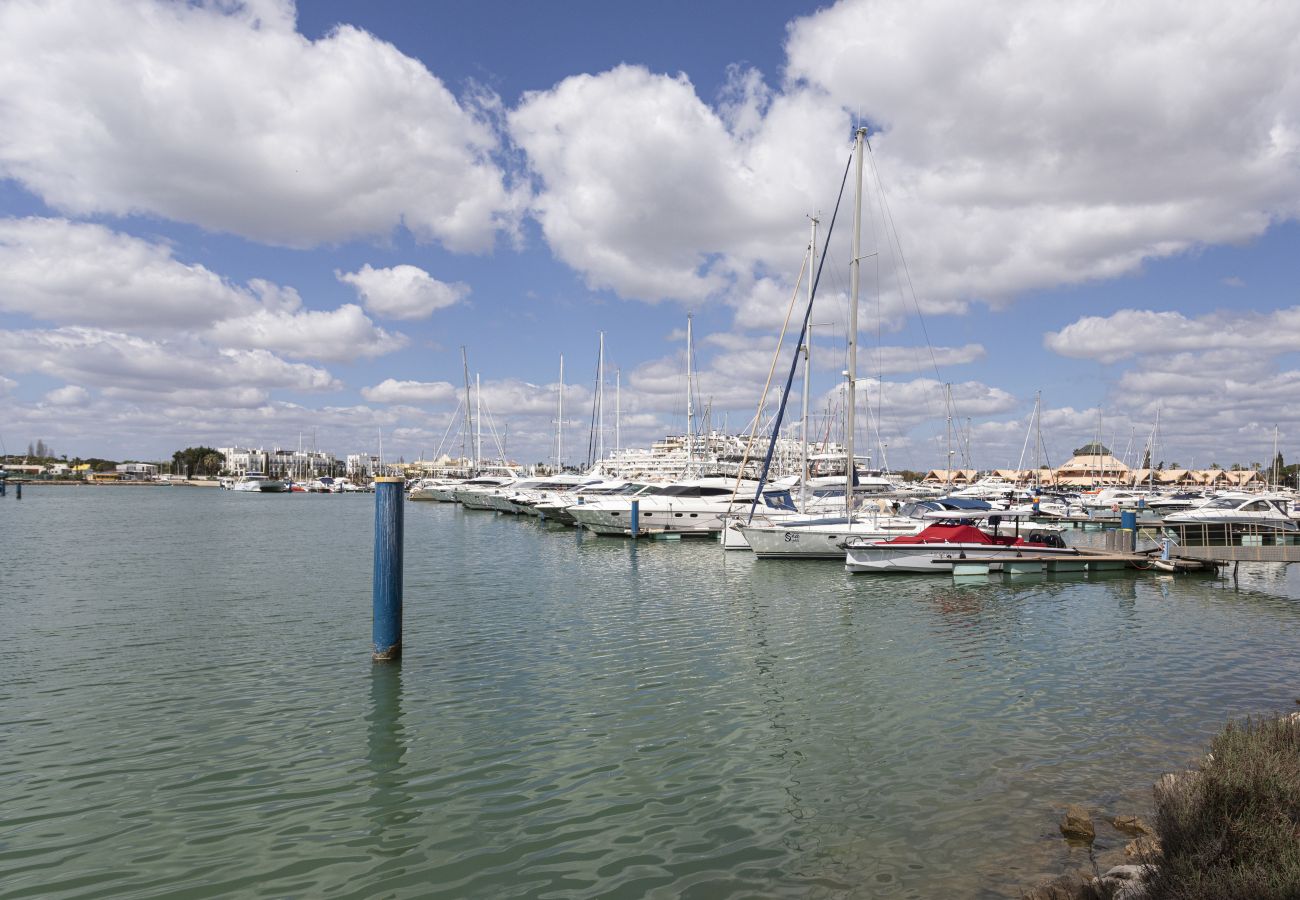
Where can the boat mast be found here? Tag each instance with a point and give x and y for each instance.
(465, 445)
(855, 277)
(1276, 474)
(478, 414)
(948, 431)
(618, 409)
(600, 400)
(807, 369)
(559, 423)
(690, 410)
(1038, 438)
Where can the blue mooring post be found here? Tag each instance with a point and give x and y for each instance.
(386, 592)
(1128, 523)
(636, 517)
(18, 490)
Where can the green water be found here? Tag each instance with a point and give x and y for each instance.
(188, 708)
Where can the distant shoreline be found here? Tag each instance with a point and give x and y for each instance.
(41, 482)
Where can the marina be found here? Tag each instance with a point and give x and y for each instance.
(575, 713)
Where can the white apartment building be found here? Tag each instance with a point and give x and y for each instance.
(300, 465)
(363, 465)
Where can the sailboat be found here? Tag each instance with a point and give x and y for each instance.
(822, 537)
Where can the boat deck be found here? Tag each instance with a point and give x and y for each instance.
(1029, 564)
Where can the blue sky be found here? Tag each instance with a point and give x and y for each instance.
(244, 223)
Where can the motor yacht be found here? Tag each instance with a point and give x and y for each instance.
(952, 537)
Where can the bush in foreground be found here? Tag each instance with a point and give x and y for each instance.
(1232, 829)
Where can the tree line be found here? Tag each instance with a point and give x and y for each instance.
(197, 461)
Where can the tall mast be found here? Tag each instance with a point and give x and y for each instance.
(807, 369)
(559, 423)
(466, 447)
(478, 437)
(1038, 436)
(855, 265)
(600, 400)
(618, 409)
(948, 403)
(690, 409)
(1276, 473)
(1155, 433)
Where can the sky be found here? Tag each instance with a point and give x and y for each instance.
(267, 224)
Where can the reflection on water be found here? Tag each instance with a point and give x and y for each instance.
(574, 715)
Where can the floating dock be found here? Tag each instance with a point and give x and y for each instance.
(1059, 563)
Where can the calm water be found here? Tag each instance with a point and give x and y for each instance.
(188, 708)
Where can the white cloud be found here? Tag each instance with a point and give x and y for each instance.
(1018, 156)
(403, 292)
(68, 395)
(392, 391)
(648, 191)
(88, 275)
(74, 273)
(6, 385)
(342, 334)
(126, 365)
(1133, 332)
(222, 115)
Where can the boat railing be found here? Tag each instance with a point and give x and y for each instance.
(1231, 542)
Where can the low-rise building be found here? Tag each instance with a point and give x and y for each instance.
(363, 465)
(137, 471)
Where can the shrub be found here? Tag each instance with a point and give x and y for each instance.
(1232, 829)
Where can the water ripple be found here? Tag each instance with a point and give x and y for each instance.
(575, 716)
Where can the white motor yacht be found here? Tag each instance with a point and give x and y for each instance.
(435, 489)
(476, 492)
(555, 507)
(1239, 509)
(260, 483)
(697, 506)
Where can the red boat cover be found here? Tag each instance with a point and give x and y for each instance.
(954, 534)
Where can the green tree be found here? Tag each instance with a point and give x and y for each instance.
(197, 461)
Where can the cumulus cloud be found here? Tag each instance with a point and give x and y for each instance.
(1131, 332)
(648, 191)
(1020, 157)
(222, 115)
(403, 292)
(122, 364)
(68, 395)
(88, 275)
(392, 391)
(78, 273)
(342, 334)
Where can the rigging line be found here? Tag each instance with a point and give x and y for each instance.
(591, 434)
(776, 355)
(803, 331)
(896, 243)
(438, 452)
